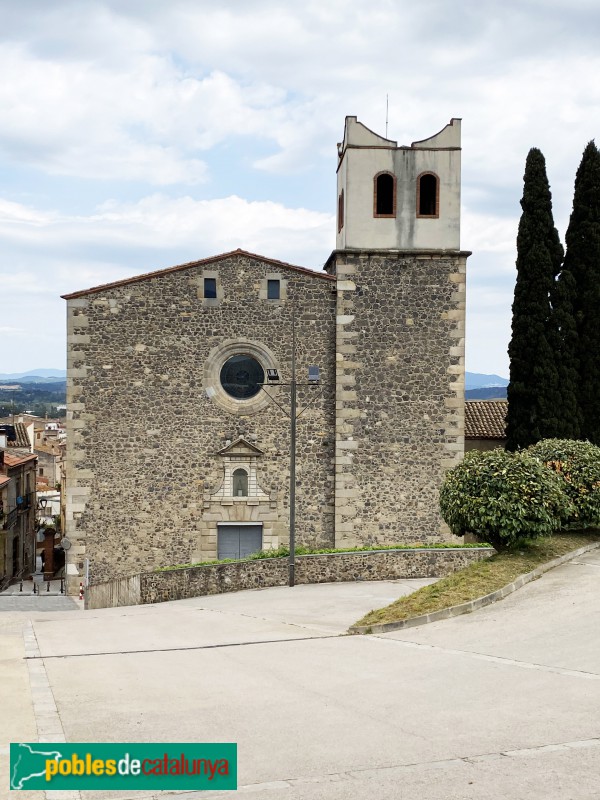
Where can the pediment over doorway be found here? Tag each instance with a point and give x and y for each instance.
(241, 447)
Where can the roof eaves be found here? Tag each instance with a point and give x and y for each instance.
(12, 460)
(179, 267)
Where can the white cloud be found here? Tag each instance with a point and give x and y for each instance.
(122, 98)
(49, 254)
(486, 233)
(7, 330)
(143, 91)
(89, 123)
(65, 247)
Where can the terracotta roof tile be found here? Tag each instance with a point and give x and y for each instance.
(51, 448)
(11, 460)
(485, 419)
(22, 439)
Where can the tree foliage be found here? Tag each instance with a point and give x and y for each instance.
(503, 498)
(581, 281)
(534, 396)
(578, 465)
(566, 351)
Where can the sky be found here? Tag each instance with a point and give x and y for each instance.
(140, 134)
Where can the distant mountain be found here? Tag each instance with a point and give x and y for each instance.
(486, 393)
(35, 376)
(475, 380)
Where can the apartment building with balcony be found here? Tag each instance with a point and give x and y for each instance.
(17, 513)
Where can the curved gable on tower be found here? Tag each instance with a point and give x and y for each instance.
(425, 212)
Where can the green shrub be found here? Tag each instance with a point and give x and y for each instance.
(578, 466)
(503, 498)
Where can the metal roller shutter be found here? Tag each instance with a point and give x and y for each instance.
(238, 541)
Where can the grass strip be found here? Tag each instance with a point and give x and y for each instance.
(283, 552)
(480, 578)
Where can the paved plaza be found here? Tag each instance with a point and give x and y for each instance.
(500, 703)
(47, 596)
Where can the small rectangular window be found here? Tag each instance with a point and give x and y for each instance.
(273, 290)
(210, 288)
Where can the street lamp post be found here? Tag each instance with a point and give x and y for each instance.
(313, 380)
(293, 418)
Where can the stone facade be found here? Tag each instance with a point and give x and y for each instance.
(179, 584)
(149, 426)
(158, 446)
(400, 389)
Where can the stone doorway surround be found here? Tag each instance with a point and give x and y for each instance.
(220, 505)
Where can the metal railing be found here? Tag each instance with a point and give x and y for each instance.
(9, 520)
(6, 581)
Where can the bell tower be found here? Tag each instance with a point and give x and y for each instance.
(402, 198)
(399, 334)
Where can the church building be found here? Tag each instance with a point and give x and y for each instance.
(181, 382)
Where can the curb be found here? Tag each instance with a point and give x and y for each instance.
(473, 605)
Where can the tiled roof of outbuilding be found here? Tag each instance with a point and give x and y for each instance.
(11, 460)
(22, 439)
(485, 419)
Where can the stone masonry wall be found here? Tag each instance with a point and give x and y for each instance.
(400, 391)
(145, 426)
(180, 584)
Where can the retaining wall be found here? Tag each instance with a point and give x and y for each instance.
(372, 565)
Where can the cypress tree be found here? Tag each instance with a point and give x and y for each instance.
(564, 329)
(581, 270)
(533, 391)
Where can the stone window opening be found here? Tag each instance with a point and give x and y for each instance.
(341, 211)
(384, 195)
(210, 288)
(240, 483)
(428, 195)
(273, 289)
(235, 371)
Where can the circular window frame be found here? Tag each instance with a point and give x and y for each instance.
(212, 374)
(254, 374)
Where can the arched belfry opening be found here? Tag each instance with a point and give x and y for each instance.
(428, 195)
(384, 200)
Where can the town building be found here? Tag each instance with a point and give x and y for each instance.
(45, 438)
(17, 514)
(180, 381)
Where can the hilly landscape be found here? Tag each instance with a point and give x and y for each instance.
(484, 387)
(43, 391)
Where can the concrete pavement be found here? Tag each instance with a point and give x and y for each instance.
(503, 702)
